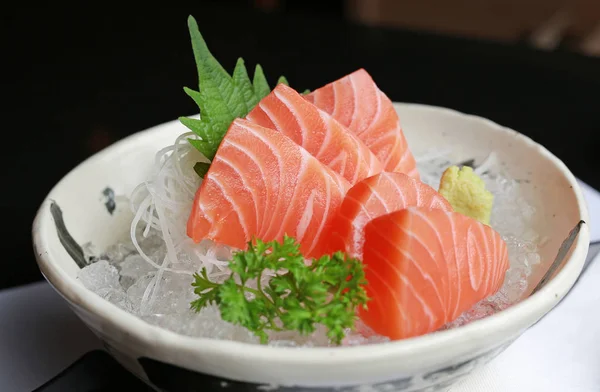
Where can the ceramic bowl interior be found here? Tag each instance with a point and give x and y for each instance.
(89, 206)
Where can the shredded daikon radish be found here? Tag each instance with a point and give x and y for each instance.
(163, 203)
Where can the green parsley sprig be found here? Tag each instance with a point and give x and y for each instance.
(297, 297)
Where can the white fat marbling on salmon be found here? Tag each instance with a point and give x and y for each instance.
(277, 154)
(356, 102)
(441, 261)
(399, 192)
(260, 204)
(317, 132)
(374, 196)
(340, 161)
(446, 256)
(290, 106)
(235, 207)
(328, 138)
(409, 286)
(261, 184)
(456, 250)
(382, 309)
(474, 261)
(247, 186)
(418, 263)
(327, 198)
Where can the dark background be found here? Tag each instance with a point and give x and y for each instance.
(77, 79)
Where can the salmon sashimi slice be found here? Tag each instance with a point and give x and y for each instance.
(321, 135)
(372, 197)
(262, 185)
(413, 254)
(357, 103)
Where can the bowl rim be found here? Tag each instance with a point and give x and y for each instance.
(542, 301)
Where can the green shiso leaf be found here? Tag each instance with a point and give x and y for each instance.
(201, 168)
(221, 97)
(283, 80)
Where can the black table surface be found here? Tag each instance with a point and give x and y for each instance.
(79, 79)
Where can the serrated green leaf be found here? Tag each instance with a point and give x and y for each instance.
(211, 74)
(221, 97)
(217, 98)
(202, 146)
(201, 52)
(305, 92)
(198, 99)
(201, 168)
(242, 81)
(260, 84)
(282, 79)
(199, 127)
(204, 131)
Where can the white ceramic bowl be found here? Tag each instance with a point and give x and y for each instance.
(428, 363)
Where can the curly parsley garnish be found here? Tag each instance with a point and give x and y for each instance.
(297, 297)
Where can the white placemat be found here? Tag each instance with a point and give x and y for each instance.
(40, 336)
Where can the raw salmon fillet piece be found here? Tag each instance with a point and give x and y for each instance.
(357, 103)
(372, 197)
(427, 266)
(263, 185)
(321, 135)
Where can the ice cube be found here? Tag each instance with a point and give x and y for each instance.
(162, 293)
(117, 253)
(533, 258)
(119, 298)
(362, 334)
(100, 277)
(140, 291)
(103, 279)
(207, 323)
(295, 339)
(132, 269)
